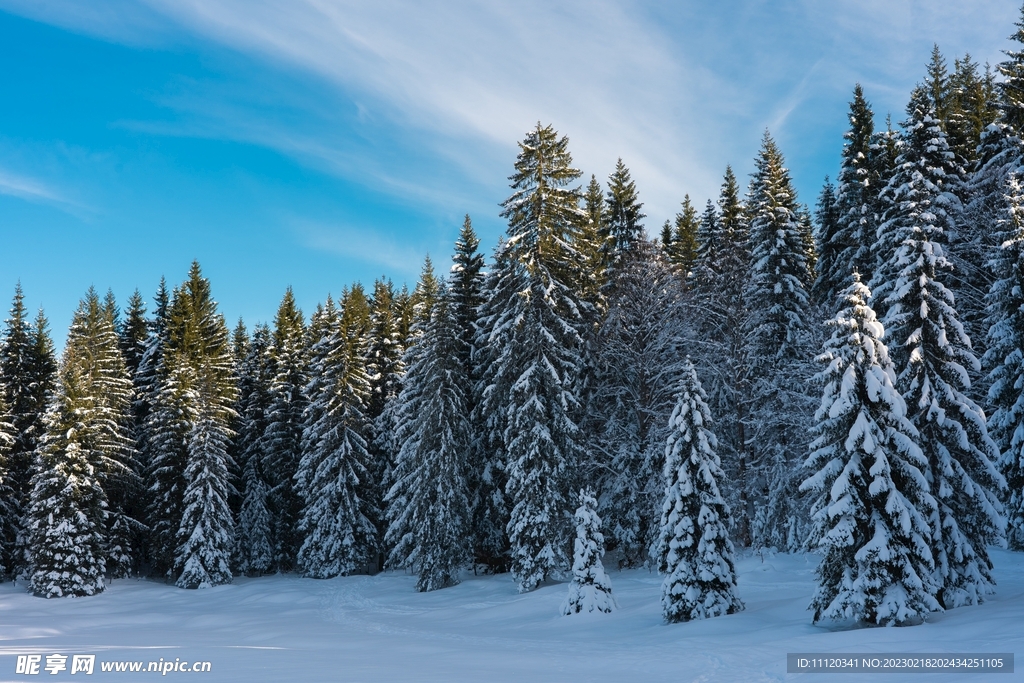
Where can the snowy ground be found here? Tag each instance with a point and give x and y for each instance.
(379, 629)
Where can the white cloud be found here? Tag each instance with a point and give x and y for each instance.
(676, 90)
(23, 187)
(360, 244)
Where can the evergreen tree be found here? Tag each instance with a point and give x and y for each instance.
(428, 504)
(338, 532)
(133, 333)
(693, 550)
(873, 503)
(590, 589)
(537, 344)
(589, 240)
(776, 346)
(199, 355)
(206, 534)
(9, 521)
(775, 295)
(254, 554)
(685, 238)
(27, 374)
(635, 365)
(106, 411)
(283, 435)
(859, 183)
(1005, 357)
(384, 356)
(621, 227)
(716, 297)
(933, 352)
(188, 433)
(1011, 88)
(827, 227)
(490, 505)
(66, 514)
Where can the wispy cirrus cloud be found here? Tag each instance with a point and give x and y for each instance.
(31, 189)
(676, 90)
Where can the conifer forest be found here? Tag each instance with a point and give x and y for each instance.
(845, 378)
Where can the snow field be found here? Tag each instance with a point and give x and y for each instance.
(377, 628)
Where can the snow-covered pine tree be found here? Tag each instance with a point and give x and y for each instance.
(487, 459)
(856, 199)
(621, 227)
(716, 299)
(133, 333)
(826, 224)
(66, 515)
(776, 330)
(339, 535)
(590, 589)
(683, 250)
(934, 350)
(254, 547)
(589, 276)
(1005, 358)
(428, 504)
(106, 413)
(27, 374)
(693, 550)
(536, 337)
(283, 434)
(206, 535)
(873, 507)
(999, 153)
(972, 107)
(9, 521)
(199, 373)
(635, 363)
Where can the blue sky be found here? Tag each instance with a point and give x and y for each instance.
(312, 143)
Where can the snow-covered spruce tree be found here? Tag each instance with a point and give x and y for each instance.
(776, 330)
(873, 507)
(693, 550)
(934, 350)
(621, 228)
(490, 506)
(107, 389)
(678, 243)
(536, 339)
(826, 226)
(428, 504)
(66, 516)
(339, 535)
(590, 589)
(588, 274)
(254, 547)
(206, 534)
(283, 435)
(715, 328)
(856, 199)
(9, 521)
(635, 361)
(133, 333)
(1005, 358)
(27, 373)
(187, 434)
(201, 369)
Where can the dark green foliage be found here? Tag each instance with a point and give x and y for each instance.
(283, 435)
(826, 228)
(535, 335)
(428, 504)
(27, 375)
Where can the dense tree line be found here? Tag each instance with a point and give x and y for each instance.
(663, 389)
